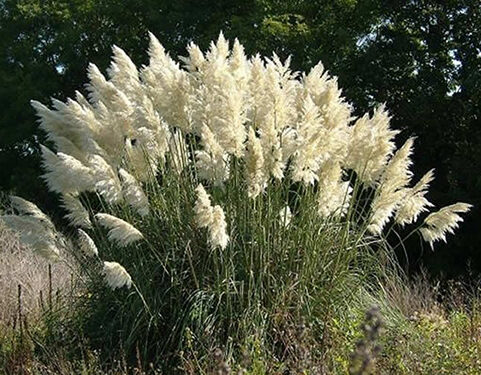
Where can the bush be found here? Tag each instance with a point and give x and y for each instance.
(232, 200)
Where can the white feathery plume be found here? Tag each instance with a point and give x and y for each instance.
(87, 244)
(238, 64)
(371, 145)
(212, 218)
(116, 276)
(28, 208)
(146, 117)
(70, 125)
(168, 86)
(195, 60)
(220, 97)
(103, 93)
(114, 112)
(414, 203)
(306, 162)
(334, 111)
(254, 159)
(272, 149)
(256, 85)
(218, 236)
(110, 138)
(51, 121)
(98, 87)
(124, 75)
(35, 234)
(81, 119)
(90, 128)
(334, 194)
(392, 189)
(438, 224)
(106, 180)
(65, 174)
(120, 231)
(203, 208)
(212, 161)
(143, 153)
(397, 172)
(81, 99)
(66, 146)
(77, 215)
(133, 193)
(276, 114)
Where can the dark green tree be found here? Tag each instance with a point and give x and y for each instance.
(423, 59)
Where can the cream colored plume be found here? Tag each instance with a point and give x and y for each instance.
(310, 133)
(212, 218)
(414, 202)
(116, 276)
(255, 171)
(276, 115)
(77, 215)
(218, 236)
(334, 194)
(87, 244)
(65, 174)
(120, 231)
(392, 188)
(438, 224)
(124, 75)
(28, 208)
(371, 145)
(202, 208)
(33, 232)
(169, 87)
(106, 180)
(212, 160)
(335, 113)
(133, 193)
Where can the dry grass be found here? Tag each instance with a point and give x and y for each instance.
(415, 295)
(22, 269)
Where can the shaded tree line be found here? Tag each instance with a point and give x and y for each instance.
(420, 57)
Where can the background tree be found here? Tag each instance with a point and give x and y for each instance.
(423, 59)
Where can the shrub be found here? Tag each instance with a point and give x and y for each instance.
(222, 199)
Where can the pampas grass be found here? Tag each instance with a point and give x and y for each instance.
(227, 191)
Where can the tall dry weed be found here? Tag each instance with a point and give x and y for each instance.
(38, 282)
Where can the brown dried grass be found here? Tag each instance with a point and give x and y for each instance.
(21, 269)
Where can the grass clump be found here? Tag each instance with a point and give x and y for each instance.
(220, 206)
